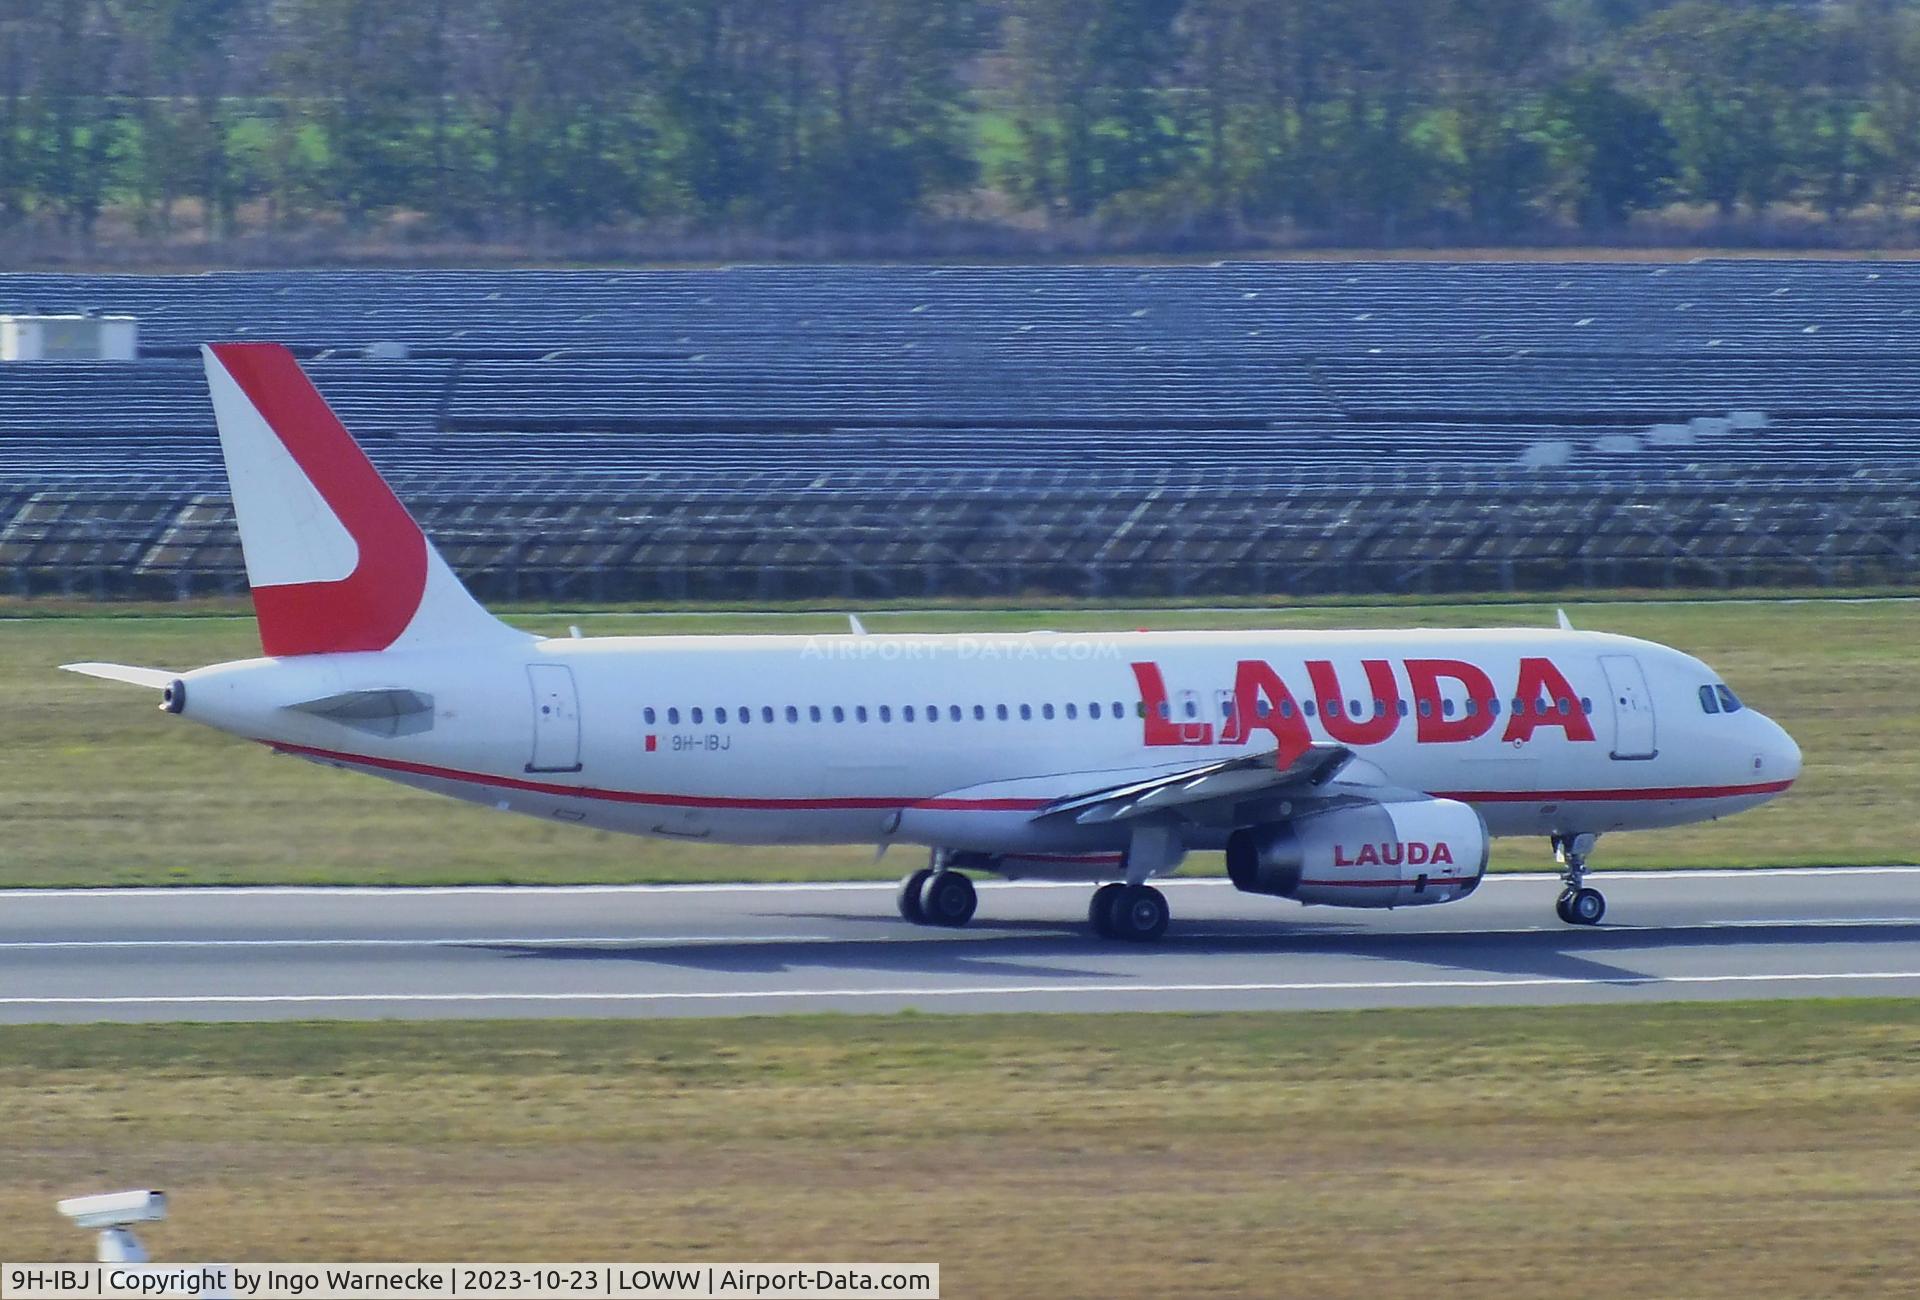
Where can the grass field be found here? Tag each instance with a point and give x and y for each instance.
(103, 789)
(1743, 1150)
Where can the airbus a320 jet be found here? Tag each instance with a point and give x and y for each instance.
(1351, 769)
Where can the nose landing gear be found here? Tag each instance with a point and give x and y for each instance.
(1579, 904)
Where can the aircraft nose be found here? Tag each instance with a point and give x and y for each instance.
(1780, 754)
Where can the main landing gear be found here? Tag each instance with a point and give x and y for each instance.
(1578, 904)
(937, 895)
(1136, 913)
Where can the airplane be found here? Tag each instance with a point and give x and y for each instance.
(1352, 769)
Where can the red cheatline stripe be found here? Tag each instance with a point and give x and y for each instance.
(663, 800)
(947, 803)
(1652, 792)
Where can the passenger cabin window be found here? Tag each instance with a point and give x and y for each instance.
(1093, 710)
(813, 712)
(886, 713)
(647, 713)
(1026, 713)
(1046, 711)
(1000, 712)
(1729, 702)
(979, 713)
(859, 713)
(697, 717)
(673, 717)
(793, 714)
(839, 714)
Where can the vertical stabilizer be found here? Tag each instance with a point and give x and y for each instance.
(335, 561)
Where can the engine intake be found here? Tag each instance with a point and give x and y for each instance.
(1371, 855)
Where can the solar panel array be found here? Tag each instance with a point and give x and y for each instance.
(876, 432)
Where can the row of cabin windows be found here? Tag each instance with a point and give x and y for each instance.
(743, 714)
(885, 713)
(1358, 708)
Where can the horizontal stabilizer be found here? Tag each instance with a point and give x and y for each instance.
(156, 678)
(389, 711)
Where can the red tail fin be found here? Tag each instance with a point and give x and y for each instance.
(335, 561)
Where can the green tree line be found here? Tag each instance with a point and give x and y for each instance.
(1378, 119)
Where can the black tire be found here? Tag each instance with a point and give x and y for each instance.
(1587, 907)
(948, 899)
(908, 896)
(1140, 914)
(1561, 908)
(1100, 909)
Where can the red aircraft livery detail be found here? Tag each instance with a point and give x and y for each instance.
(370, 607)
(1262, 701)
(1413, 853)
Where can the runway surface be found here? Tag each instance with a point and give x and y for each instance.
(281, 954)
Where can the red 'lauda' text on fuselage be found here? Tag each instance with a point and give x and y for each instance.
(1451, 701)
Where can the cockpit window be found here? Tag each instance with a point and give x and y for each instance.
(1728, 700)
(1708, 702)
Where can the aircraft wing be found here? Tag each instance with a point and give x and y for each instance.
(1225, 782)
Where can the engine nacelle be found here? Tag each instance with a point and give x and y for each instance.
(1371, 855)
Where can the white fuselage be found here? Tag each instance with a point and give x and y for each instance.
(954, 741)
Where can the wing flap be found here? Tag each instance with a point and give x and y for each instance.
(1226, 780)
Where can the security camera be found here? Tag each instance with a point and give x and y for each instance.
(115, 1209)
(110, 1214)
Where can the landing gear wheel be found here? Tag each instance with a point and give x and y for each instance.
(1100, 909)
(1138, 914)
(1578, 905)
(908, 897)
(948, 899)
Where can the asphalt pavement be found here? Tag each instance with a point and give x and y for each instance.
(702, 950)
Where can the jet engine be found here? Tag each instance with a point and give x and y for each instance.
(1366, 855)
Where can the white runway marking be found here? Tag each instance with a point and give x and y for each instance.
(945, 991)
(924, 936)
(842, 886)
(423, 941)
